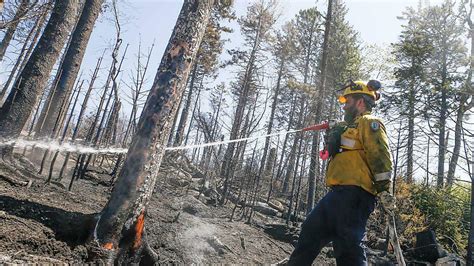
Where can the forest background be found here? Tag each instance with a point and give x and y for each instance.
(420, 50)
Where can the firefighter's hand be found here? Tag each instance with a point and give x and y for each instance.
(388, 202)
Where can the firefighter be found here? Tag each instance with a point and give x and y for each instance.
(358, 173)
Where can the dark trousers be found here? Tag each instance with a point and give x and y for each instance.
(340, 217)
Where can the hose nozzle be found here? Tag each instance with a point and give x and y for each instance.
(324, 125)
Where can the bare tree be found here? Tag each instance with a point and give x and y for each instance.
(71, 64)
(25, 52)
(119, 231)
(22, 99)
(11, 28)
(318, 107)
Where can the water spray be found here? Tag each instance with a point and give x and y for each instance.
(79, 148)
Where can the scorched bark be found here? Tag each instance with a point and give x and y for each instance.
(120, 228)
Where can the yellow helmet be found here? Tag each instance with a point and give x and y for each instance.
(360, 87)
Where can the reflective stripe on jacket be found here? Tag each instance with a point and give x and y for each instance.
(365, 156)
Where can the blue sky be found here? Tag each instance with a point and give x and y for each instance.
(153, 21)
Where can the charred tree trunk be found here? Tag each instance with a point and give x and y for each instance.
(294, 172)
(314, 164)
(239, 112)
(66, 127)
(20, 12)
(191, 122)
(272, 173)
(22, 99)
(83, 160)
(25, 52)
(298, 192)
(22, 63)
(71, 63)
(293, 155)
(119, 230)
(79, 118)
(133, 114)
(185, 113)
(267, 139)
(285, 141)
(57, 127)
(33, 121)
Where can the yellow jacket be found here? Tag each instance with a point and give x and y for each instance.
(365, 157)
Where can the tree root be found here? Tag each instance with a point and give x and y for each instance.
(144, 255)
(99, 255)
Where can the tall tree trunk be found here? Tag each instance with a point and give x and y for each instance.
(66, 127)
(20, 12)
(81, 113)
(119, 230)
(463, 106)
(267, 139)
(397, 151)
(301, 174)
(185, 113)
(191, 122)
(16, 76)
(17, 108)
(239, 112)
(71, 63)
(457, 140)
(23, 53)
(442, 122)
(411, 133)
(470, 244)
(293, 155)
(281, 165)
(294, 172)
(314, 164)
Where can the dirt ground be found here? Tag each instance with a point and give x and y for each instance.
(180, 227)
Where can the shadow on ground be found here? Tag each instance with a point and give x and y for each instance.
(73, 228)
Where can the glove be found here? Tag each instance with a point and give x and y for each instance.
(387, 201)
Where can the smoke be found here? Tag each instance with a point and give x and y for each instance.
(195, 240)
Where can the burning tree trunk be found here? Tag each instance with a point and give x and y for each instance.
(24, 95)
(119, 230)
(20, 12)
(71, 64)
